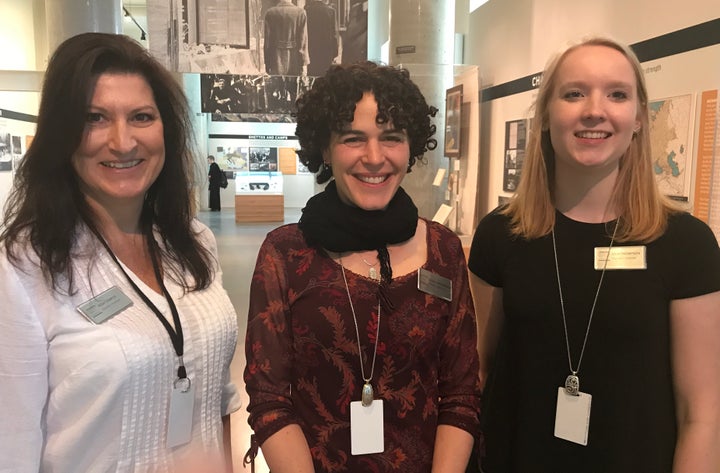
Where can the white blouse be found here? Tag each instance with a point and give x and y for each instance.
(80, 397)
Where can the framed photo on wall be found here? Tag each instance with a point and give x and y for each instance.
(453, 121)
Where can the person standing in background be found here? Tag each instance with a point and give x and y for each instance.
(322, 36)
(594, 363)
(285, 39)
(214, 179)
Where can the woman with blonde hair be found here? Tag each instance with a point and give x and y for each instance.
(597, 341)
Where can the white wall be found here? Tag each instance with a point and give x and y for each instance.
(510, 39)
(17, 43)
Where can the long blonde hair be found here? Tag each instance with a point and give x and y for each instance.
(643, 211)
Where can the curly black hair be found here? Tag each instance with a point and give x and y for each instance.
(330, 105)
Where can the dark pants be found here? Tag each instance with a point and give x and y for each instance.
(214, 197)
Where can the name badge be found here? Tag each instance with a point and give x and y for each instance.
(621, 257)
(366, 428)
(572, 416)
(105, 305)
(180, 417)
(434, 284)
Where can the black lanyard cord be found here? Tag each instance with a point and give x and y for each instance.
(176, 335)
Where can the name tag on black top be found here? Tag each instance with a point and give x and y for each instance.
(621, 257)
(434, 284)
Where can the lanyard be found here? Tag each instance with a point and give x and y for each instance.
(176, 335)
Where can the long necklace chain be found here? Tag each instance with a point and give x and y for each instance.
(572, 383)
(367, 391)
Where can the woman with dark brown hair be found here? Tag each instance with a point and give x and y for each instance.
(115, 332)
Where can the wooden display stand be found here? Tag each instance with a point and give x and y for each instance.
(259, 208)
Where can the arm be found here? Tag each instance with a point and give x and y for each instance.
(302, 39)
(227, 443)
(287, 451)
(268, 374)
(336, 34)
(452, 450)
(458, 384)
(23, 375)
(490, 316)
(695, 325)
(267, 45)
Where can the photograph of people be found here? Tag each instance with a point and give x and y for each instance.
(593, 363)
(224, 97)
(323, 36)
(285, 39)
(116, 334)
(361, 323)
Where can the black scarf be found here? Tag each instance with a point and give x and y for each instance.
(328, 223)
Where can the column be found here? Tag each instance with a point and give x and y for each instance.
(66, 18)
(421, 39)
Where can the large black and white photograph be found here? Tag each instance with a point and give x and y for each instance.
(257, 37)
(250, 98)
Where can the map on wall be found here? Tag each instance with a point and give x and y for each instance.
(670, 136)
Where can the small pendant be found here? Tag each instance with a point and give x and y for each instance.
(572, 385)
(372, 272)
(367, 395)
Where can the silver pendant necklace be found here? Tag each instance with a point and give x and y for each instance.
(367, 395)
(372, 272)
(572, 382)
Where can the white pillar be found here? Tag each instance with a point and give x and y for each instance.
(66, 18)
(425, 26)
(422, 40)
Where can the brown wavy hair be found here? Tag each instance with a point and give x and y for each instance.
(46, 207)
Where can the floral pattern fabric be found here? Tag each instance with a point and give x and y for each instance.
(304, 366)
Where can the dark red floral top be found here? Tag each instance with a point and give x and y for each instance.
(302, 354)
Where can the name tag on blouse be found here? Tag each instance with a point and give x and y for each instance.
(621, 257)
(105, 305)
(434, 284)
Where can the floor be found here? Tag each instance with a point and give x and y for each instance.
(238, 245)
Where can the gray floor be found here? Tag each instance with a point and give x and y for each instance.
(238, 245)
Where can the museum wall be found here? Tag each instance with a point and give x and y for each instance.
(17, 43)
(509, 40)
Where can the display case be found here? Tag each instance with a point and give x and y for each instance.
(259, 197)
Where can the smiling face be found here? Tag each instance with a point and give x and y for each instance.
(369, 161)
(123, 149)
(594, 108)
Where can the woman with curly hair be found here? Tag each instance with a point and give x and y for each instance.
(361, 342)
